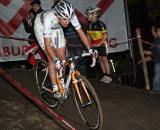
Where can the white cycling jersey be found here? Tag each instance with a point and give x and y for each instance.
(46, 25)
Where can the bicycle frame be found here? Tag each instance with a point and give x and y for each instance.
(71, 77)
(83, 93)
(68, 81)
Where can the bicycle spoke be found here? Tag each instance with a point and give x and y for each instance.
(44, 84)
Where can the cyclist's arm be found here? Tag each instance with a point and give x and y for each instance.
(47, 37)
(83, 37)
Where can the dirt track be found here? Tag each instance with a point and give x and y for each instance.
(123, 108)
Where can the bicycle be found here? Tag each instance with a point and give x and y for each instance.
(72, 83)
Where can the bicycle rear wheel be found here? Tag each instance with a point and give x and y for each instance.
(44, 84)
(90, 112)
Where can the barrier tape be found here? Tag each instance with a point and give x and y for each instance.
(32, 97)
(151, 44)
(72, 45)
(118, 43)
(19, 39)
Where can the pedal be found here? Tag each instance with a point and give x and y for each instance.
(57, 94)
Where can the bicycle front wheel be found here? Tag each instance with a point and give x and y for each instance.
(44, 84)
(90, 110)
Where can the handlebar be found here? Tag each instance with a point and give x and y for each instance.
(93, 59)
(84, 54)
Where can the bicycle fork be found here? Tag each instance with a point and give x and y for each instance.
(75, 81)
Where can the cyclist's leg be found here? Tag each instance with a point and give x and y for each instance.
(105, 59)
(104, 64)
(51, 68)
(60, 46)
(58, 43)
(100, 57)
(101, 63)
(38, 28)
(61, 53)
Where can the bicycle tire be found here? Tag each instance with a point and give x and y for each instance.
(99, 119)
(40, 74)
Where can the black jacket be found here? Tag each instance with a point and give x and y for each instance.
(156, 50)
(30, 29)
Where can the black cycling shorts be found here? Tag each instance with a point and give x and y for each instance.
(101, 50)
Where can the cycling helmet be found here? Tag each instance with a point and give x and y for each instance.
(91, 10)
(64, 9)
(93, 13)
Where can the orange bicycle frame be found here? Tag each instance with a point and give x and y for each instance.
(74, 82)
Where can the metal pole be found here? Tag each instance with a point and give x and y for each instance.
(130, 42)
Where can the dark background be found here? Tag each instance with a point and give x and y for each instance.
(143, 14)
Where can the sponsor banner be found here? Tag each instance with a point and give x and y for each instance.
(13, 11)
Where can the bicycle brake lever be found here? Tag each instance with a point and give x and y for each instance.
(93, 58)
(85, 54)
(93, 62)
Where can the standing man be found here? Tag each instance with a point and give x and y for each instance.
(75, 46)
(156, 59)
(28, 23)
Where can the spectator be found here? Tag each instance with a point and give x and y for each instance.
(28, 23)
(156, 58)
(140, 81)
(74, 43)
(54, 3)
(29, 20)
(97, 33)
(75, 46)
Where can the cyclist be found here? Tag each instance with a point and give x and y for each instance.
(48, 31)
(97, 33)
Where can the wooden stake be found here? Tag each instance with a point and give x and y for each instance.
(138, 35)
